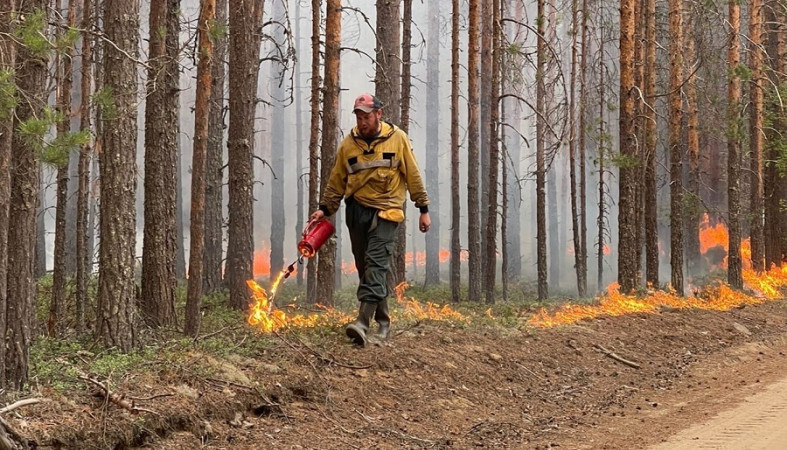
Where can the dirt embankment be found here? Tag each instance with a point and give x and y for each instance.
(624, 382)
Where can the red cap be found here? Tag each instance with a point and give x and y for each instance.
(366, 103)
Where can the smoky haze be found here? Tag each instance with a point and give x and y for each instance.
(357, 76)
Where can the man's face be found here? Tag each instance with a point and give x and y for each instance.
(368, 123)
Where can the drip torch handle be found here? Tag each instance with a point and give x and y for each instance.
(309, 225)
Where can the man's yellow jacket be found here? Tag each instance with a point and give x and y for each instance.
(376, 173)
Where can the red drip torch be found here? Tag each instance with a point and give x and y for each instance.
(314, 235)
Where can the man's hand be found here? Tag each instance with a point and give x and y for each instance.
(424, 222)
(317, 215)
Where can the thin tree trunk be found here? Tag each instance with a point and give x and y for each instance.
(485, 112)
(473, 223)
(541, 175)
(456, 249)
(40, 252)
(651, 135)
(583, 99)
(387, 82)
(297, 86)
(775, 231)
(314, 139)
(330, 106)
(572, 150)
(279, 147)
(627, 211)
(65, 81)
(245, 35)
(676, 143)
(432, 167)
(404, 104)
(7, 64)
(494, 157)
(214, 172)
(734, 273)
(692, 207)
(161, 150)
(601, 222)
(117, 310)
(85, 153)
(756, 134)
(513, 237)
(207, 15)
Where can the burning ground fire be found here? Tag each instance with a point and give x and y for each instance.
(264, 316)
(713, 239)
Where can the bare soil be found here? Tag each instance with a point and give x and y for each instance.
(436, 385)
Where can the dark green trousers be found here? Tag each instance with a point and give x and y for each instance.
(372, 241)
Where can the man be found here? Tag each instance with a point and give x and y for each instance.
(374, 167)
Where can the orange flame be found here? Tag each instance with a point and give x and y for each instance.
(267, 319)
(413, 309)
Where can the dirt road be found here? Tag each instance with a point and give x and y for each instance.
(755, 424)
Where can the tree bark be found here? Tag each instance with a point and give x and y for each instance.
(676, 143)
(541, 175)
(601, 222)
(330, 107)
(456, 249)
(650, 141)
(7, 66)
(734, 132)
(85, 153)
(161, 152)
(432, 168)
(473, 222)
(494, 156)
(387, 83)
(756, 134)
(693, 205)
(299, 169)
(572, 107)
(31, 76)
(117, 311)
(485, 112)
(207, 15)
(279, 147)
(627, 240)
(214, 172)
(314, 139)
(245, 34)
(60, 264)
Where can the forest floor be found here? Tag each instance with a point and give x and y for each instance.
(610, 383)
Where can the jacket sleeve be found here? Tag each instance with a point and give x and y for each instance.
(337, 183)
(412, 174)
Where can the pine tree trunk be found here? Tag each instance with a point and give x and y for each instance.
(7, 63)
(494, 157)
(245, 35)
(601, 222)
(485, 93)
(456, 249)
(693, 205)
(65, 80)
(432, 166)
(513, 235)
(676, 143)
(583, 99)
(756, 134)
(117, 311)
(734, 133)
(83, 174)
(299, 169)
(314, 139)
(40, 252)
(214, 172)
(202, 107)
(404, 106)
(627, 241)
(279, 147)
(330, 107)
(651, 135)
(31, 77)
(161, 150)
(541, 169)
(572, 150)
(387, 83)
(473, 223)
(775, 231)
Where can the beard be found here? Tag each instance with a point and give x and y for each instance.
(369, 129)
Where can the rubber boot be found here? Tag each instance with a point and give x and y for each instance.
(358, 329)
(383, 319)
